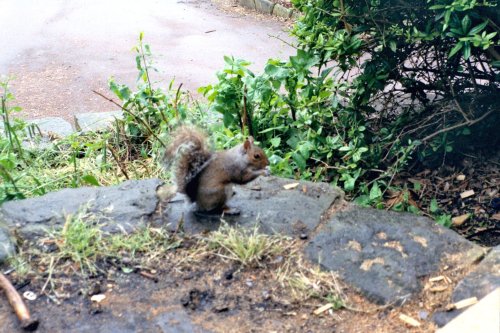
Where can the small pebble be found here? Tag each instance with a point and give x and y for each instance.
(29, 295)
(423, 314)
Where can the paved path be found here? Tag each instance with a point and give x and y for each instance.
(58, 51)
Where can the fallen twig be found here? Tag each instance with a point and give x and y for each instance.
(148, 275)
(17, 303)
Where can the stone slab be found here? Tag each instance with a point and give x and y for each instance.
(481, 281)
(250, 4)
(483, 317)
(282, 11)
(55, 125)
(384, 254)
(292, 212)
(7, 247)
(264, 6)
(123, 207)
(132, 321)
(96, 121)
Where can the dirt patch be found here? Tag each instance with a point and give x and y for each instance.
(194, 290)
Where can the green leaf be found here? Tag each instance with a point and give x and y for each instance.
(89, 179)
(436, 7)
(363, 200)
(301, 162)
(417, 186)
(466, 22)
(127, 270)
(375, 192)
(393, 46)
(444, 220)
(454, 50)
(433, 207)
(349, 183)
(466, 51)
(478, 28)
(275, 142)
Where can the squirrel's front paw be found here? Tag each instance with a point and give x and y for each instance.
(266, 172)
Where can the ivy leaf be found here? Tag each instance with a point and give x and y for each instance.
(375, 192)
(301, 162)
(349, 183)
(393, 46)
(275, 142)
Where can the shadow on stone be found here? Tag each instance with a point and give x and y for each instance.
(290, 212)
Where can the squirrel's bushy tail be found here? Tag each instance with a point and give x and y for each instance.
(189, 154)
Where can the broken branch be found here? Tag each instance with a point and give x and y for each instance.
(18, 305)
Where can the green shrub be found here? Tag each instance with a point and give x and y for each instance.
(373, 86)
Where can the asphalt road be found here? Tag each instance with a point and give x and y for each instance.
(57, 51)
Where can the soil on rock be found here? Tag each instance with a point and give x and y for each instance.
(209, 294)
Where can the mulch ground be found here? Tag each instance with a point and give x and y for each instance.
(468, 187)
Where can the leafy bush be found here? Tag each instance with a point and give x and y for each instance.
(373, 85)
(149, 111)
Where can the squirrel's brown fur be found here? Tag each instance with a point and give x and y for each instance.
(205, 176)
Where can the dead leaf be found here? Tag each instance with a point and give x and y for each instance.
(409, 320)
(463, 303)
(290, 186)
(459, 220)
(495, 216)
(98, 298)
(438, 289)
(467, 194)
(323, 308)
(436, 279)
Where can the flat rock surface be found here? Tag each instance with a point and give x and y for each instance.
(384, 254)
(54, 125)
(293, 212)
(93, 121)
(481, 281)
(6, 244)
(123, 207)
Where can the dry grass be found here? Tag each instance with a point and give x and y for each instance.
(246, 246)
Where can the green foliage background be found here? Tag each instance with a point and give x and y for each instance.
(375, 88)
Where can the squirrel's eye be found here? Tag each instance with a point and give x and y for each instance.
(256, 156)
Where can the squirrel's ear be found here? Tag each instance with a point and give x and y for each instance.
(248, 143)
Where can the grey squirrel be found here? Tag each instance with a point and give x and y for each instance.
(206, 176)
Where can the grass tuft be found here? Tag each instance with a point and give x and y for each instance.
(247, 247)
(80, 241)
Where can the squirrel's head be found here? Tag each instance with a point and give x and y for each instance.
(256, 155)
